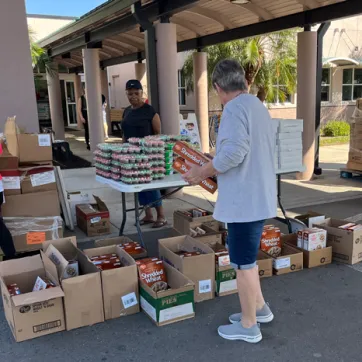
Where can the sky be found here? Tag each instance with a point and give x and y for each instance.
(61, 7)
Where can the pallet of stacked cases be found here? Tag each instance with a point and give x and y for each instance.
(355, 143)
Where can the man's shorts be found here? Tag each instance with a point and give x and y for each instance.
(243, 243)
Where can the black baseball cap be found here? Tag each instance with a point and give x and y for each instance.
(134, 84)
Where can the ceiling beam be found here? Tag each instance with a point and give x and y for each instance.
(131, 41)
(125, 48)
(188, 25)
(112, 50)
(211, 14)
(308, 4)
(261, 13)
(310, 17)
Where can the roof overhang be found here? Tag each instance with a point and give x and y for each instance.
(341, 61)
(199, 23)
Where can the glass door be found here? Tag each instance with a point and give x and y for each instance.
(71, 103)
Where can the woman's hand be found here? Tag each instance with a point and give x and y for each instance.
(195, 175)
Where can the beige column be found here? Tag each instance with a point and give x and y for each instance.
(306, 90)
(17, 89)
(92, 76)
(78, 93)
(55, 102)
(105, 92)
(141, 75)
(167, 77)
(201, 96)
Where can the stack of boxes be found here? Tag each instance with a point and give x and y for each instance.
(355, 142)
(30, 188)
(289, 147)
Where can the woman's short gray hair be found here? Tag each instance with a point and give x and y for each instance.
(229, 75)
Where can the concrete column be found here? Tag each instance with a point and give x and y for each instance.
(306, 90)
(105, 92)
(166, 48)
(17, 89)
(141, 75)
(78, 93)
(55, 102)
(92, 74)
(201, 95)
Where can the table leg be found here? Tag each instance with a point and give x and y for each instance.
(124, 214)
(137, 215)
(279, 188)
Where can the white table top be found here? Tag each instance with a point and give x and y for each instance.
(168, 182)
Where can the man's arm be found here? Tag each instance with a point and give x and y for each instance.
(156, 124)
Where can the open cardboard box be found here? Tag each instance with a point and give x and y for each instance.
(93, 219)
(172, 305)
(211, 236)
(183, 223)
(265, 264)
(200, 269)
(346, 245)
(118, 241)
(83, 300)
(291, 259)
(7, 160)
(311, 218)
(31, 314)
(312, 258)
(120, 286)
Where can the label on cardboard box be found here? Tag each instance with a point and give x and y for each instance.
(44, 140)
(228, 286)
(96, 219)
(35, 237)
(11, 182)
(205, 286)
(176, 312)
(43, 178)
(129, 300)
(281, 263)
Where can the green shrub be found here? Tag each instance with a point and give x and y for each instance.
(336, 129)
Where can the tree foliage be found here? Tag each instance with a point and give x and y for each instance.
(268, 60)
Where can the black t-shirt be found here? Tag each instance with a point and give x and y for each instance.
(137, 122)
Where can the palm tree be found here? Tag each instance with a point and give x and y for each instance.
(267, 60)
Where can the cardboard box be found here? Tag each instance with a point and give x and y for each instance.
(83, 300)
(77, 198)
(225, 281)
(31, 314)
(169, 306)
(38, 179)
(346, 245)
(265, 264)
(313, 258)
(120, 286)
(208, 184)
(11, 182)
(291, 259)
(354, 166)
(200, 269)
(29, 233)
(40, 204)
(183, 223)
(211, 237)
(314, 239)
(93, 219)
(311, 218)
(30, 147)
(117, 241)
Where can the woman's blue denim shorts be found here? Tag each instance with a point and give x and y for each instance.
(148, 197)
(243, 243)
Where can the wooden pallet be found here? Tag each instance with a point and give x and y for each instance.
(348, 173)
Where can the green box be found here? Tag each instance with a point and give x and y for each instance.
(169, 306)
(225, 281)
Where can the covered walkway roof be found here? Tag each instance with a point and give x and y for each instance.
(199, 23)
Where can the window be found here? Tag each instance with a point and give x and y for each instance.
(181, 88)
(352, 84)
(326, 84)
(281, 94)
